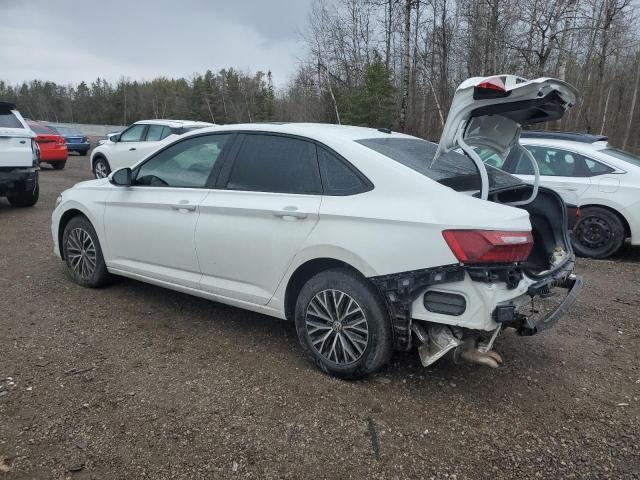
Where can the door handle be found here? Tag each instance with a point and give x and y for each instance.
(132, 149)
(183, 207)
(290, 213)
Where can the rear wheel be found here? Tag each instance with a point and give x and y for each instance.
(58, 165)
(25, 199)
(82, 253)
(599, 233)
(342, 324)
(101, 168)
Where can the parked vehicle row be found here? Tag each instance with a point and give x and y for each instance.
(53, 148)
(369, 241)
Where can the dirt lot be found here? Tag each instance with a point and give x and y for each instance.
(132, 381)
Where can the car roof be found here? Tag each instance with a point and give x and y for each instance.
(323, 132)
(571, 136)
(174, 123)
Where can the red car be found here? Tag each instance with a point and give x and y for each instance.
(53, 148)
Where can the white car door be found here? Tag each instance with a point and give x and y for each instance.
(561, 170)
(127, 150)
(254, 223)
(150, 225)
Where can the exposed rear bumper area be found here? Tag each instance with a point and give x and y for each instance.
(477, 299)
(537, 323)
(17, 179)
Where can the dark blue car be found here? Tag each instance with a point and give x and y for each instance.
(76, 140)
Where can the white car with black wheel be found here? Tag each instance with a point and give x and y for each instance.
(126, 148)
(370, 241)
(599, 183)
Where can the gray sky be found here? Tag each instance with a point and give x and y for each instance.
(73, 40)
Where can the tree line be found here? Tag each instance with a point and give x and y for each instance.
(393, 63)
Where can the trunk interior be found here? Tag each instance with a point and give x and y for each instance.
(548, 215)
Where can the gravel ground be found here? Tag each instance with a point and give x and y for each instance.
(133, 381)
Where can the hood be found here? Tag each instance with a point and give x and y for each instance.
(491, 110)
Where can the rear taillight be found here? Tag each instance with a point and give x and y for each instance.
(492, 87)
(489, 246)
(61, 141)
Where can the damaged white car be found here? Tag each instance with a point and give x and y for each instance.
(369, 240)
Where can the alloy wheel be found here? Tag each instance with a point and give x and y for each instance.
(101, 170)
(337, 327)
(81, 252)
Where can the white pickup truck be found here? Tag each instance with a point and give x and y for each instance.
(19, 158)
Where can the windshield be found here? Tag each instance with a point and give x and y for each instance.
(622, 155)
(453, 169)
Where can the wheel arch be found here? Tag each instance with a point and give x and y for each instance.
(64, 220)
(303, 273)
(96, 156)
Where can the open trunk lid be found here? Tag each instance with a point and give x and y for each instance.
(15, 138)
(490, 111)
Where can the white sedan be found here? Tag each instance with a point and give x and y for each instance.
(126, 148)
(368, 240)
(599, 183)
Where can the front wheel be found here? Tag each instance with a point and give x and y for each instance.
(599, 233)
(25, 199)
(101, 168)
(342, 324)
(82, 253)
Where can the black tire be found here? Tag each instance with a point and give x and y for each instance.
(599, 233)
(58, 165)
(25, 199)
(96, 167)
(75, 245)
(378, 348)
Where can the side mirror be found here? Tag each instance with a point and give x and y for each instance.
(121, 178)
(114, 137)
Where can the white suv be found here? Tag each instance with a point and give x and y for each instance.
(368, 240)
(599, 183)
(19, 158)
(126, 148)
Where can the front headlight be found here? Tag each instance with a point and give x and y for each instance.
(58, 200)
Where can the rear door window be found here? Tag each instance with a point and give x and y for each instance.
(273, 163)
(9, 120)
(166, 131)
(552, 162)
(154, 133)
